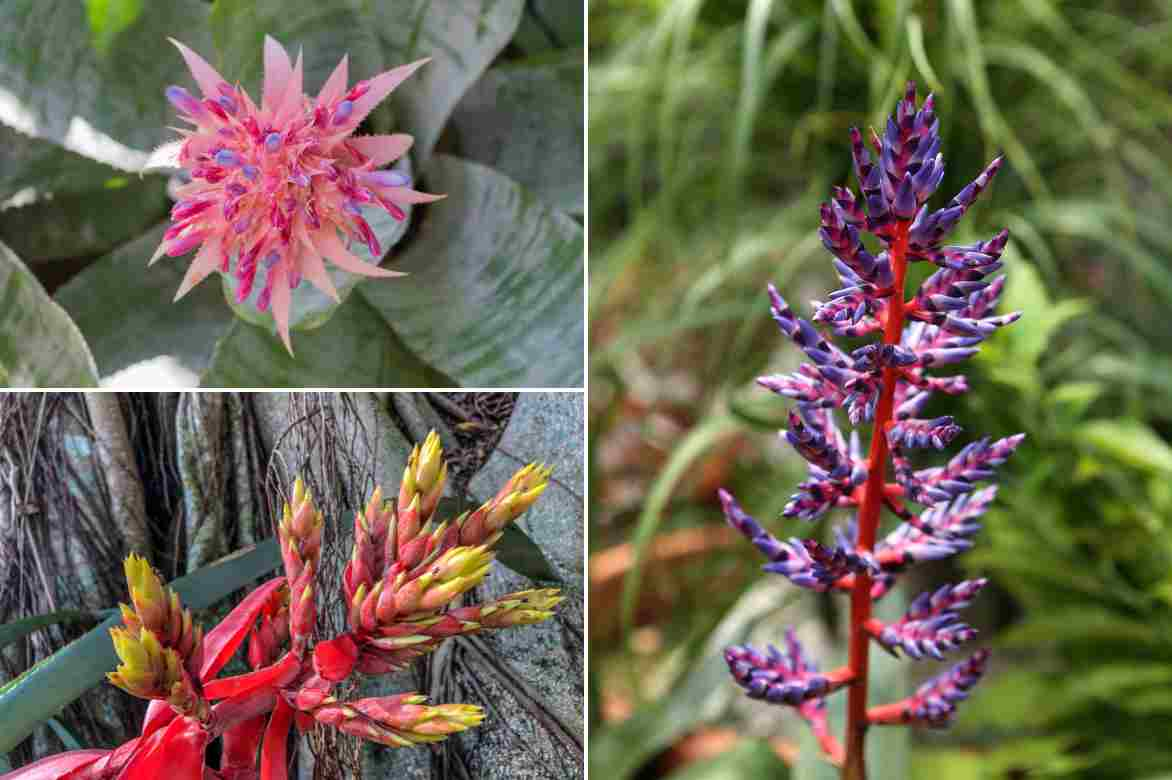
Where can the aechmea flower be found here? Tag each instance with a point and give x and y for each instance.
(283, 185)
(423, 480)
(486, 523)
(404, 575)
(889, 381)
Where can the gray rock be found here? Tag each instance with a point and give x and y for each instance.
(531, 678)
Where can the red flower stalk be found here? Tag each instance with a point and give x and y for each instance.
(888, 384)
(404, 572)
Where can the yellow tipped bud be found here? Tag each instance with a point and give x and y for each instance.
(407, 484)
(529, 477)
(429, 462)
(148, 669)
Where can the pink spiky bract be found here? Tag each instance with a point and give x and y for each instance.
(273, 186)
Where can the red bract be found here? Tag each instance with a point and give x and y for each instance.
(61, 765)
(335, 659)
(221, 642)
(404, 572)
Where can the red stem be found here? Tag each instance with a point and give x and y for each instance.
(854, 767)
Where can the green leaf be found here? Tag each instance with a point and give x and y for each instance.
(125, 309)
(27, 162)
(525, 120)
(748, 758)
(71, 671)
(326, 31)
(39, 345)
(495, 292)
(521, 554)
(84, 223)
(18, 629)
(356, 348)
(1026, 342)
(550, 24)
(93, 81)
(515, 549)
(461, 37)
(1129, 441)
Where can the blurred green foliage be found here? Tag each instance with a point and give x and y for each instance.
(715, 130)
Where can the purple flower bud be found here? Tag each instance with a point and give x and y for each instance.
(273, 141)
(343, 111)
(388, 179)
(184, 101)
(227, 158)
(904, 206)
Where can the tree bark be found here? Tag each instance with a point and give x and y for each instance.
(119, 469)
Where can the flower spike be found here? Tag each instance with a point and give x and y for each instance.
(888, 382)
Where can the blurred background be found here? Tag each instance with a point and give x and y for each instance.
(716, 129)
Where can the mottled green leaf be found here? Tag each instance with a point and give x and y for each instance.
(326, 31)
(356, 348)
(44, 167)
(550, 24)
(525, 120)
(461, 36)
(495, 292)
(96, 90)
(84, 223)
(39, 345)
(126, 312)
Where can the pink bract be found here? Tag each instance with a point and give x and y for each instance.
(284, 185)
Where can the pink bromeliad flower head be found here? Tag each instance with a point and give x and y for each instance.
(282, 185)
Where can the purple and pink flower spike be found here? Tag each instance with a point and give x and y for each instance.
(283, 185)
(889, 383)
